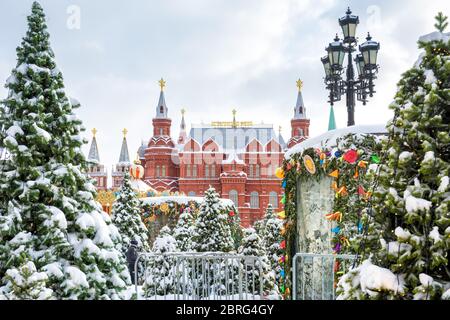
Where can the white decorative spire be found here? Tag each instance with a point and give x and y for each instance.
(300, 110)
(93, 151)
(124, 156)
(161, 108)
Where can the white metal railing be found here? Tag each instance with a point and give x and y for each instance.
(314, 275)
(198, 276)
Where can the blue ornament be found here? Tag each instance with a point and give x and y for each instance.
(336, 230)
(360, 227)
(337, 154)
(283, 185)
(282, 273)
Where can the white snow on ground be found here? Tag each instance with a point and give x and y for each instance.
(328, 139)
(413, 204)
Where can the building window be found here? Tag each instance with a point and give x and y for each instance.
(158, 171)
(163, 171)
(273, 199)
(254, 200)
(257, 170)
(207, 171)
(100, 182)
(250, 169)
(213, 170)
(188, 170)
(160, 131)
(233, 195)
(161, 109)
(191, 194)
(194, 170)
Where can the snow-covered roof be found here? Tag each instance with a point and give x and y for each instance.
(141, 186)
(329, 138)
(182, 200)
(435, 36)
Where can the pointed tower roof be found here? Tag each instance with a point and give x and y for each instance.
(183, 136)
(124, 156)
(93, 151)
(161, 108)
(300, 110)
(331, 120)
(280, 138)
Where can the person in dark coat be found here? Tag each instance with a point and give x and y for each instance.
(132, 254)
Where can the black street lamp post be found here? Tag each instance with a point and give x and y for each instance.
(366, 66)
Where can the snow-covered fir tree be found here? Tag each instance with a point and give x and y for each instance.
(126, 216)
(48, 210)
(25, 283)
(411, 206)
(184, 230)
(161, 273)
(212, 231)
(252, 245)
(272, 240)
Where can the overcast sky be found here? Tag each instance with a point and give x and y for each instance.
(215, 55)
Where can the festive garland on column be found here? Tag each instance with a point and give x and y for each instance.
(347, 165)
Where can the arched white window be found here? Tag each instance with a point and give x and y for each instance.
(191, 194)
(233, 195)
(273, 199)
(194, 170)
(207, 171)
(257, 170)
(160, 131)
(213, 170)
(163, 173)
(254, 200)
(250, 169)
(158, 172)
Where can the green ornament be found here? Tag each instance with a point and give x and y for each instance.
(375, 159)
(283, 199)
(282, 288)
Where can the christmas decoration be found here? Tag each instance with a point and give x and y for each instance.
(309, 164)
(407, 241)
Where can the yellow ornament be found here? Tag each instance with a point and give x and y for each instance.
(281, 215)
(309, 164)
(279, 173)
(164, 208)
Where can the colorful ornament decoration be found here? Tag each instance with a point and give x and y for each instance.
(231, 213)
(309, 164)
(350, 156)
(279, 173)
(137, 171)
(281, 215)
(335, 216)
(374, 158)
(334, 174)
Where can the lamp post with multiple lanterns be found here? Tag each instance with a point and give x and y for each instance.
(366, 65)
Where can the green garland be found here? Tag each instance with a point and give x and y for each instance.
(348, 164)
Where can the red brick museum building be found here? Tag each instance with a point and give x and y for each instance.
(237, 158)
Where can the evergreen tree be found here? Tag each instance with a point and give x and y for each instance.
(25, 283)
(411, 205)
(272, 241)
(47, 206)
(252, 245)
(183, 231)
(126, 216)
(212, 231)
(161, 273)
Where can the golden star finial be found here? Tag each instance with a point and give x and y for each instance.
(234, 112)
(94, 132)
(124, 131)
(299, 84)
(162, 84)
(183, 111)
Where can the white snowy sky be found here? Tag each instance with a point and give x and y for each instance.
(214, 55)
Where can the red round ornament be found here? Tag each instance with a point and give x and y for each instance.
(351, 156)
